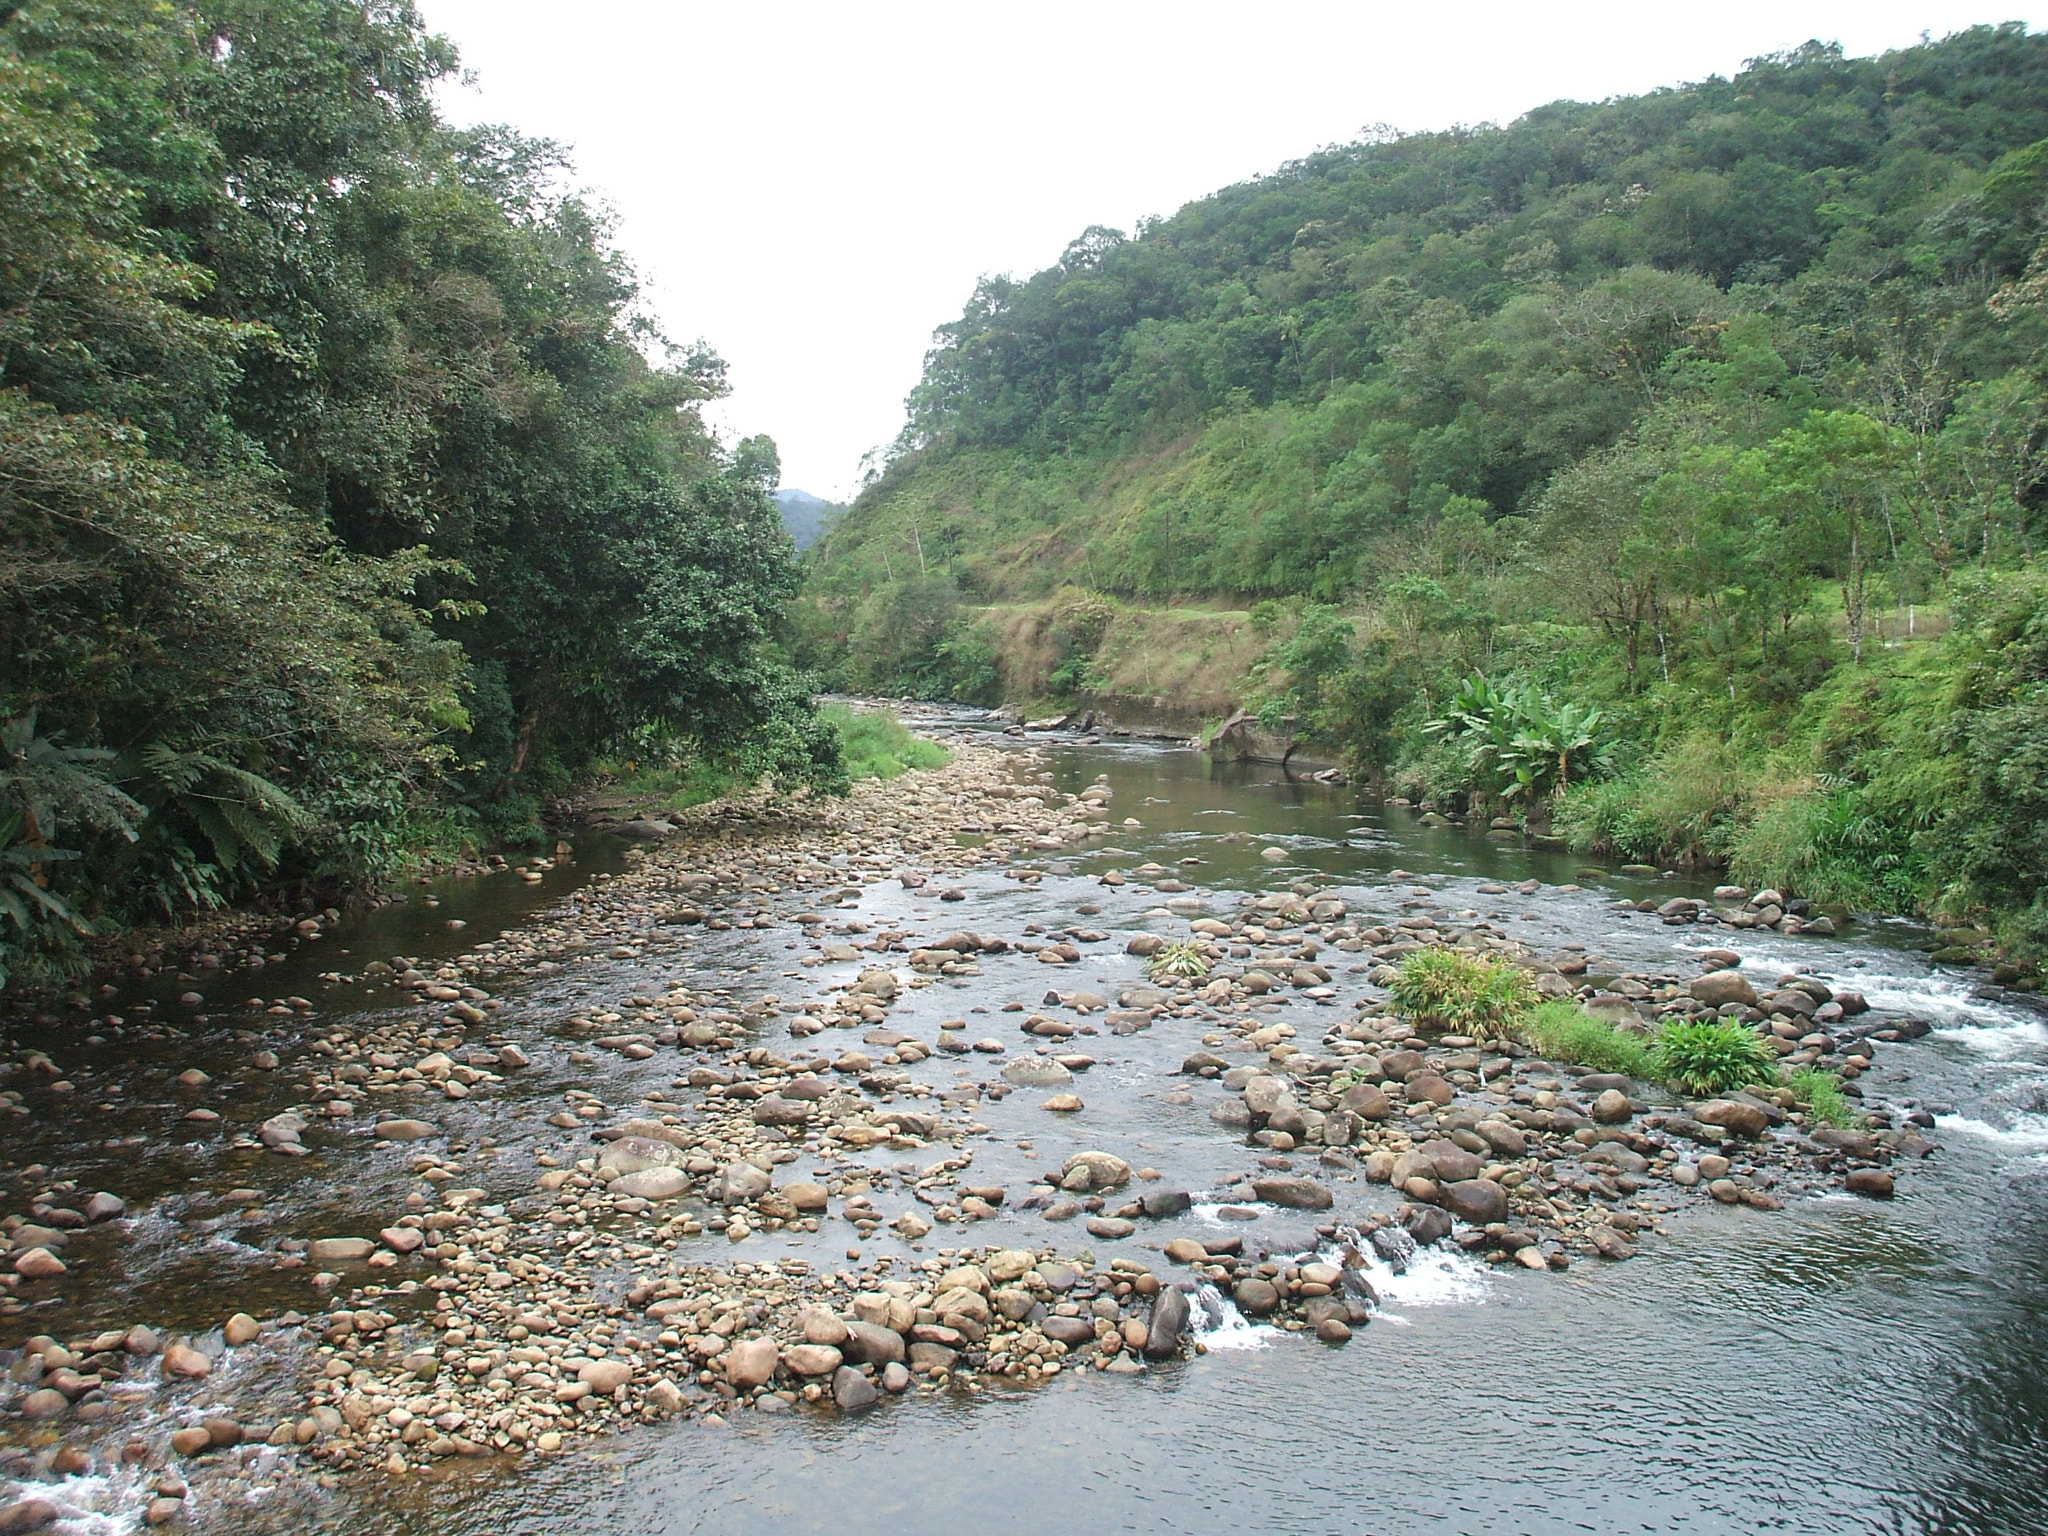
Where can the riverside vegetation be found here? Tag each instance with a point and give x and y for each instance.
(342, 516)
(1679, 458)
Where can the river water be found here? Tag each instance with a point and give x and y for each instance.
(1842, 1365)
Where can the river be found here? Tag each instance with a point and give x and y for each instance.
(1842, 1365)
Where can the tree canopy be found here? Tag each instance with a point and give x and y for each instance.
(348, 496)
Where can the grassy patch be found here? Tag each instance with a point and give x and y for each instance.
(1178, 961)
(1462, 994)
(673, 787)
(1820, 1093)
(875, 745)
(1563, 1031)
(1713, 1056)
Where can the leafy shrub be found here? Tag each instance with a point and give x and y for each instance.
(1183, 960)
(1713, 1055)
(1563, 1031)
(1680, 805)
(1609, 819)
(1826, 842)
(1462, 994)
(1435, 772)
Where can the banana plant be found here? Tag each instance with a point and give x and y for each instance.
(1555, 740)
(1517, 739)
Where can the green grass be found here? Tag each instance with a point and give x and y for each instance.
(875, 745)
(1182, 960)
(1462, 994)
(1713, 1056)
(1563, 1031)
(1820, 1093)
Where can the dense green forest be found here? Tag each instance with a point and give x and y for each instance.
(1671, 466)
(342, 512)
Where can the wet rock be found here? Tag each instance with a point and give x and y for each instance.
(1170, 1315)
(822, 1327)
(27, 1515)
(1610, 1244)
(405, 1130)
(1718, 988)
(1611, 1107)
(637, 1154)
(1426, 1224)
(1064, 1104)
(1450, 1162)
(742, 1182)
(1367, 1101)
(1110, 1227)
(852, 1391)
(1735, 1116)
(240, 1329)
(1429, 1088)
(1255, 1297)
(1070, 1331)
(184, 1360)
(1502, 1139)
(44, 1403)
(1398, 1066)
(339, 1250)
(1161, 1203)
(1092, 1170)
(812, 1359)
(191, 1441)
(1037, 1072)
(1476, 1201)
(104, 1207)
(38, 1264)
(1875, 1182)
(1294, 1193)
(652, 1184)
(872, 1344)
(776, 1110)
(1333, 1330)
(751, 1363)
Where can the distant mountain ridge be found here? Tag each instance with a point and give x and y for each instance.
(804, 515)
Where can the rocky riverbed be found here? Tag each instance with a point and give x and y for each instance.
(809, 1108)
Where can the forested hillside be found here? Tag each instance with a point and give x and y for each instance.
(805, 516)
(1671, 464)
(341, 512)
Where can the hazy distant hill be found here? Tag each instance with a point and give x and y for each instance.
(805, 515)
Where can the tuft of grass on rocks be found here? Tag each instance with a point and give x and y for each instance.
(1461, 994)
(1179, 961)
(874, 744)
(1713, 1056)
(1563, 1031)
(1820, 1094)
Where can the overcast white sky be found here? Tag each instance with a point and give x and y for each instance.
(813, 187)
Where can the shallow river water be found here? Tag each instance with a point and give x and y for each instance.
(1842, 1365)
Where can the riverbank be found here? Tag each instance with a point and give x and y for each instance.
(535, 1279)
